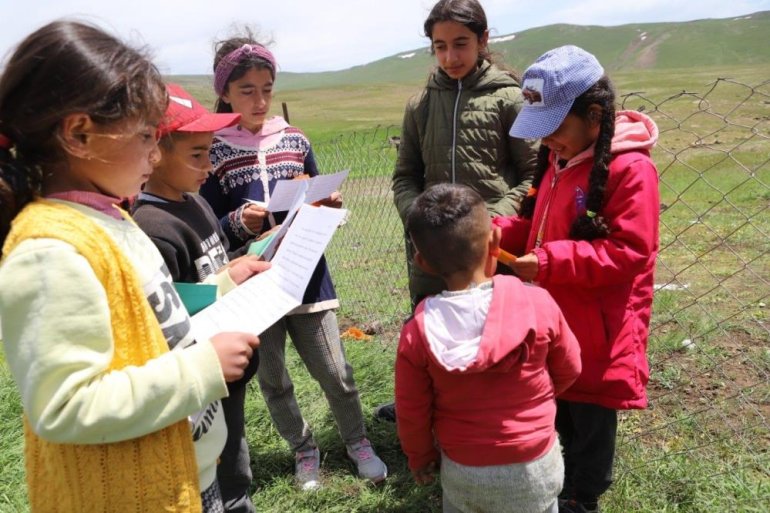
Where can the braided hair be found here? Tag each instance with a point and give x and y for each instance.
(590, 225)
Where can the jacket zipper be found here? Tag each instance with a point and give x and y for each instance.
(454, 129)
(546, 209)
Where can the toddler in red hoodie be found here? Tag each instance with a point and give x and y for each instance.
(479, 366)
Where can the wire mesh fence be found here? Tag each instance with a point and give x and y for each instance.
(709, 349)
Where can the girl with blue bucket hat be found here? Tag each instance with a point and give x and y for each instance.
(588, 233)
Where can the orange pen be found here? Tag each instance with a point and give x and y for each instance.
(506, 258)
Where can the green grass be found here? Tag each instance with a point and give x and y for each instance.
(704, 443)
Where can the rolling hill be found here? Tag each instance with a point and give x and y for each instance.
(738, 41)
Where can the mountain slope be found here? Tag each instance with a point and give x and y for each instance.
(701, 43)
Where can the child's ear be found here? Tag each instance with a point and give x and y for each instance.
(422, 264)
(493, 251)
(594, 115)
(484, 39)
(75, 130)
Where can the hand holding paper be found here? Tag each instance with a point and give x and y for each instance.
(234, 351)
(253, 216)
(320, 187)
(268, 296)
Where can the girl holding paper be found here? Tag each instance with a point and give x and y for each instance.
(249, 159)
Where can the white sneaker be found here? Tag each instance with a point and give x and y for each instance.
(306, 469)
(368, 464)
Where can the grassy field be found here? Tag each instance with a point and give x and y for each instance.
(704, 443)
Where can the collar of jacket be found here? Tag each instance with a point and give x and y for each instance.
(485, 76)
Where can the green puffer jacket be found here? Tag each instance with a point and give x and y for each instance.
(457, 131)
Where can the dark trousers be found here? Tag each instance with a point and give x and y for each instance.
(587, 433)
(234, 469)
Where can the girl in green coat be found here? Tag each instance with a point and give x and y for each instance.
(456, 129)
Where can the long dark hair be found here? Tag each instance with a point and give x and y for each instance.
(227, 46)
(472, 15)
(63, 68)
(591, 225)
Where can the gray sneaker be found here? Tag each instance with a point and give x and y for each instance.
(306, 469)
(368, 464)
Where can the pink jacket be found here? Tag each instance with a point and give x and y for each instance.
(500, 408)
(604, 287)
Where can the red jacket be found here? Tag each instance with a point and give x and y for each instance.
(604, 287)
(500, 409)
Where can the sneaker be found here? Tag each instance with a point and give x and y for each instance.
(573, 506)
(306, 469)
(369, 465)
(386, 412)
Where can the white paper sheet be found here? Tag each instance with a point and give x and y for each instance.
(322, 186)
(296, 202)
(259, 302)
(317, 188)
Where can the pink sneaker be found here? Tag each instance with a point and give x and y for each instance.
(306, 469)
(368, 464)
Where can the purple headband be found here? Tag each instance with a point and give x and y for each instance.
(231, 60)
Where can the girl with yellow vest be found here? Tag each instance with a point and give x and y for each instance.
(89, 312)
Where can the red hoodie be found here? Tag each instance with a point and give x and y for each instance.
(499, 408)
(604, 287)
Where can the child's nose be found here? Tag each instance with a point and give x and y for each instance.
(155, 154)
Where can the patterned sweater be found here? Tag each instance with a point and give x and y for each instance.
(249, 165)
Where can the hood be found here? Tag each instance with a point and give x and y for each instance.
(474, 330)
(267, 137)
(487, 76)
(634, 131)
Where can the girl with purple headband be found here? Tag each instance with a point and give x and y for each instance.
(248, 161)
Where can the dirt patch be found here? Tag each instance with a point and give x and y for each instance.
(642, 53)
(725, 392)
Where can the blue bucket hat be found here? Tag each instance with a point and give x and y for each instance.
(550, 87)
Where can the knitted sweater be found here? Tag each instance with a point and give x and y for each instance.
(102, 395)
(249, 165)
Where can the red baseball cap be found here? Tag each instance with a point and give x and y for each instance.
(185, 114)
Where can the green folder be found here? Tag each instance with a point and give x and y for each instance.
(196, 296)
(258, 247)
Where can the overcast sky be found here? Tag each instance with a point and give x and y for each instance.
(323, 35)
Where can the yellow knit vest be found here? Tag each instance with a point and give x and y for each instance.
(153, 473)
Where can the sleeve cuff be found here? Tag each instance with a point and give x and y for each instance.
(542, 264)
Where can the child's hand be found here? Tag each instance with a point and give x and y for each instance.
(425, 475)
(253, 216)
(333, 201)
(526, 267)
(269, 232)
(234, 350)
(243, 268)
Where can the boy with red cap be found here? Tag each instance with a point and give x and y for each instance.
(194, 248)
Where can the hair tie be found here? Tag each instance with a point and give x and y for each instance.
(228, 63)
(5, 142)
(590, 214)
(532, 192)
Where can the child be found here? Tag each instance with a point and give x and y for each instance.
(589, 235)
(248, 160)
(88, 309)
(193, 246)
(478, 367)
(455, 131)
